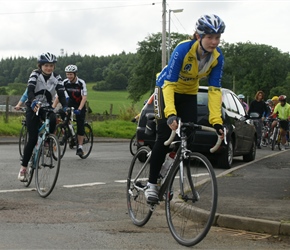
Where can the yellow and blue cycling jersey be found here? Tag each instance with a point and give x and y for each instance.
(182, 75)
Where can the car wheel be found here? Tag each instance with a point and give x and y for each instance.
(225, 159)
(252, 154)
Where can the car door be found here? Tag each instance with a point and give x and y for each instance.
(248, 128)
(237, 127)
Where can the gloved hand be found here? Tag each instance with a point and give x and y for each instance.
(218, 127)
(133, 120)
(171, 119)
(33, 104)
(77, 112)
(65, 109)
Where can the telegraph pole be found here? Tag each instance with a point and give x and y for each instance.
(163, 48)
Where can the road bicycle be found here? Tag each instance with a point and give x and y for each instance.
(133, 146)
(265, 141)
(189, 189)
(23, 135)
(65, 132)
(276, 135)
(45, 159)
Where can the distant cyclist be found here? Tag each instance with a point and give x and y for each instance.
(22, 100)
(259, 106)
(77, 96)
(43, 84)
(242, 100)
(282, 110)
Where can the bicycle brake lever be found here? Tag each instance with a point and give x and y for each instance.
(178, 127)
(225, 136)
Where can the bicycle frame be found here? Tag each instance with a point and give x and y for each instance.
(45, 128)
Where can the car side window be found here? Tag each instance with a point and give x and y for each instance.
(240, 106)
(231, 105)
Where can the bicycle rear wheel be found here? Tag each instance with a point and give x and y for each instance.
(88, 141)
(191, 205)
(133, 145)
(48, 165)
(138, 175)
(62, 133)
(23, 136)
(275, 135)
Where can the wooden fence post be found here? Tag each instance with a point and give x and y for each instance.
(7, 109)
(111, 110)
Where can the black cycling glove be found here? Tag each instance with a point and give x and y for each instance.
(217, 127)
(171, 119)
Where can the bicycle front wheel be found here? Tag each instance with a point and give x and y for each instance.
(62, 133)
(88, 141)
(133, 145)
(191, 199)
(138, 175)
(23, 136)
(30, 172)
(275, 135)
(48, 165)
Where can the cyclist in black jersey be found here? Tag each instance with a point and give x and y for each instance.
(77, 96)
(43, 84)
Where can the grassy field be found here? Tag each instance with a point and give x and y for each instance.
(100, 101)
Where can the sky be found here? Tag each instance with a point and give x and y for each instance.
(101, 28)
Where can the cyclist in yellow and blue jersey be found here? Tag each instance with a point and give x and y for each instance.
(282, 110)
(177, 85)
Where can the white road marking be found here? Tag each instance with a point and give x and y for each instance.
(17, 190)
(84, 185)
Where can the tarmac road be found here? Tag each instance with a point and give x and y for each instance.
(254, 196)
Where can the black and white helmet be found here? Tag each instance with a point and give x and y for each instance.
(47, 58)
(210, 24)
(71, 68)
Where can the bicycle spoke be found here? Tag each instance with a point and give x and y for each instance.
(138, 209)
(191, 200)
(48, 164)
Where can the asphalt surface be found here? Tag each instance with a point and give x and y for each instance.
(254, 196)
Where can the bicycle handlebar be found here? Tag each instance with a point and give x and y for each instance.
(196, 127)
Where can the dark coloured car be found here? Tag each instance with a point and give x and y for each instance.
(241, 133)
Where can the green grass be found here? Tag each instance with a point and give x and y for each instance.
(109, 128)
(101, 101)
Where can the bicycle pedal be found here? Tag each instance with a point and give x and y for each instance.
(152, 206)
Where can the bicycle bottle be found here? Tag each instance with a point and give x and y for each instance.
(167, 163)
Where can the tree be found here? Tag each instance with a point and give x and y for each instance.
(254, 67)
(148, 64)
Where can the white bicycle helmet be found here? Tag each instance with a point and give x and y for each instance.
(210, 24)
(241, 96)
(71, 68)
(282, 98)
(47, 58)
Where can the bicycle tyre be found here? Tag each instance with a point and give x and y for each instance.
(88, 141)
(133, 144)
(190, 217)
(275, 134)
(138, 209)
(23, 136)
(48, 165)
(61, 132)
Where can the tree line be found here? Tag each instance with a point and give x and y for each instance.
(248, 68)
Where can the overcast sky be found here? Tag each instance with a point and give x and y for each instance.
(96, 27)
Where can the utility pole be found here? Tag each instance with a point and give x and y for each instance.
(163, 48)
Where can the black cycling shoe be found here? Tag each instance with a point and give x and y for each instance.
(79, 151)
